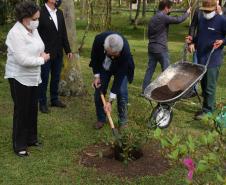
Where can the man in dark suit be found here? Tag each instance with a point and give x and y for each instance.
(111, 56)
(53, 32)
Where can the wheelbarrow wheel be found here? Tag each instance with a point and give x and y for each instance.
(161, 117)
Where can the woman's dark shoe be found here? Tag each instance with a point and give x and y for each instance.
(36, 144)
(58, 104)
(22, 153)
(44, 109)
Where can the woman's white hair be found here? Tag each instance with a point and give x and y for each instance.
(113, 42)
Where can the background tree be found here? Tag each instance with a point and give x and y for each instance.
(136, 19)
(130, 10)
(99, 14)
(83, 7)
(71, 83)
(144, 8)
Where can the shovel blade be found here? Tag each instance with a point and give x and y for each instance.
(117, 136)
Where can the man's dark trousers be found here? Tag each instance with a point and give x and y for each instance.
(54, 66)
(122, 99)
(209, 84)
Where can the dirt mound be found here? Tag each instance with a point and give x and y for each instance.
(102, 158)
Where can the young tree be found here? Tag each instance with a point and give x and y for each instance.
(144, 8)
(99, 14)
(136, 19)
(83, 7)
(108, 14)
(71, 79)
(119, 3)
(130, 10)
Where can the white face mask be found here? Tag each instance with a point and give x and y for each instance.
(33, 25)
(209, 15)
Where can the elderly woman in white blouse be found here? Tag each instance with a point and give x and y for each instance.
(25, 56)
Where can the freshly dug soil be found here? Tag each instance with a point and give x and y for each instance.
(150, 163)
(133, 154)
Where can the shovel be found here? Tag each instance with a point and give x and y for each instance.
(111, 123)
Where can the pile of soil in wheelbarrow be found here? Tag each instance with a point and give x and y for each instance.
(102, 158)
(164, 93)
(176, 85)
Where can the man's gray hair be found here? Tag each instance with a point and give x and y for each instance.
(113, 42)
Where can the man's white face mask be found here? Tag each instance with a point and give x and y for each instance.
(209, 15)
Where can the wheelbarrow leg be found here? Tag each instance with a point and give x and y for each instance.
(197, 94)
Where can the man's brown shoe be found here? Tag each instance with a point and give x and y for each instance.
(122, 127)
(99, 125)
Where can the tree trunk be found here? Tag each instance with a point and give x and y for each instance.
(83, 6)
(144, 8)
(137, 14)
(119, 3)
(130, 10)
(71, 83)
(194, 4)
(108, 16)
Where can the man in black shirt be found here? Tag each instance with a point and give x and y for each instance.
(53, 32)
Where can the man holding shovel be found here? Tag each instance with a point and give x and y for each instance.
(111, 56)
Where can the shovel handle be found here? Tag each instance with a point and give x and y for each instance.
(108, 113)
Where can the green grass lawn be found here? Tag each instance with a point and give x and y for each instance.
(66, 132)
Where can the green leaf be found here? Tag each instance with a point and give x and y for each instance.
(175, 140)
(203, 162)
(191, 144)
(183, 149)
(210, 138)
(224, 132)
(204, 140)
(220, 178)
(157, 133)
(202, 167)
(213, 158)
(174, 155)
(164, 143)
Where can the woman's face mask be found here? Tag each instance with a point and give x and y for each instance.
(209, 15)
(33, 25)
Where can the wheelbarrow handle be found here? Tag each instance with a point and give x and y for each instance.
(184, 52)
(209, 57)
(107, 113)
